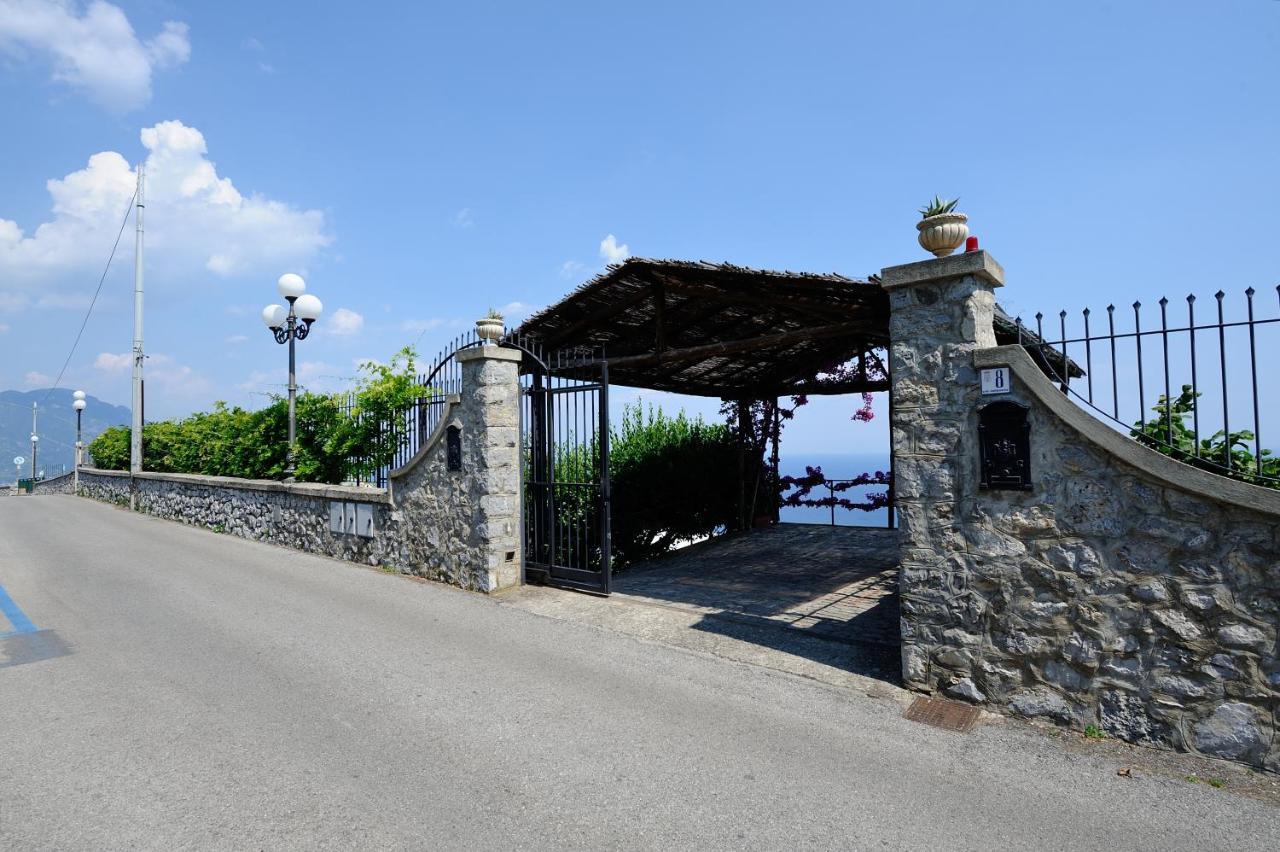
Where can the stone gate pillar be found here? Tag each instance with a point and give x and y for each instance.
(940, 312)
(458, 500)
(491, 411)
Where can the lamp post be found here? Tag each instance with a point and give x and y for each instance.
(78, 404)
(284, 324)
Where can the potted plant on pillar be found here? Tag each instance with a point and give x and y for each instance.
(942, 230)
(490, 326)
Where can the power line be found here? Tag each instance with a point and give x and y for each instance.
(94, 300)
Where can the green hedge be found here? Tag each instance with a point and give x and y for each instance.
(334, 441)
(674, 479)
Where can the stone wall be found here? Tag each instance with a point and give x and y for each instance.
(457, 526)
(295, 515)
(60, 484)
(1124, 590)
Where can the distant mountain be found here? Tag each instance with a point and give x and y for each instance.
(56, 426)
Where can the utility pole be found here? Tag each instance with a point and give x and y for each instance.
(135, 435)
(34, 439)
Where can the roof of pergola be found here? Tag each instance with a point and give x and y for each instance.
(714, 329)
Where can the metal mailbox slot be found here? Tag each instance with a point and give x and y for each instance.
(453, 447)
(1004, 436)
(336, 515)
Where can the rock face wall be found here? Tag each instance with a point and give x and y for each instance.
(1123, 590)
(60, 484)
(295, 515)
(457, 526)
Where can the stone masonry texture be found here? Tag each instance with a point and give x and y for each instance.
(60, 484)
(459, 527)
(1105, 595)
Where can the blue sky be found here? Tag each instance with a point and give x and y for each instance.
(419, 164)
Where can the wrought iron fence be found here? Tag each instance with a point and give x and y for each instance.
(1204, 372)
(416, 424)
(419, 422)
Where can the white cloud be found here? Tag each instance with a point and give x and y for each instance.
(237, 338)
(255, 46)
(3, 328)
(571, 269)
(611, 252)
(35, 379)
(111, 362)
(463, 218)
(196, 220)
(12, 302)
(96, 52)
(179, 380)
(345, 323)
(516, 310)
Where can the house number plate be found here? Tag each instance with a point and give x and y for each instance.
(995, 380)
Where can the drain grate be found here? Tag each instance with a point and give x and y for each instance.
(941, 713)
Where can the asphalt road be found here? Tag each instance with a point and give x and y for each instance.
(192, 690)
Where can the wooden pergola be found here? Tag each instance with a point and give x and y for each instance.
(714, 329)
(740, 334)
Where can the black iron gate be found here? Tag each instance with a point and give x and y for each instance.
(564, 438)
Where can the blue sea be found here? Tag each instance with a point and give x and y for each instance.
(836, 466)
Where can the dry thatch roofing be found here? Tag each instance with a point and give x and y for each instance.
(714, 329)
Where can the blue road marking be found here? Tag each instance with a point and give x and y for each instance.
(17, 618)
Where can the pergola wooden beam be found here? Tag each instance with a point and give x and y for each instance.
(730, 347)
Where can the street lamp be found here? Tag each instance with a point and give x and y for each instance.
(35, 439)
(78, 404)
(284, 324)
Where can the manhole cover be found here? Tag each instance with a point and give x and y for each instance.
(941, 713)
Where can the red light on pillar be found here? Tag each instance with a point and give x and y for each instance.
(971, 244)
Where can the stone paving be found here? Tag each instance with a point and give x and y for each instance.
(837, 583)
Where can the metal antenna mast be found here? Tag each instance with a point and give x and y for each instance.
(135, 435)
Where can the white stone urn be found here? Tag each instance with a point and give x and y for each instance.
(489, 328)
(944, 233)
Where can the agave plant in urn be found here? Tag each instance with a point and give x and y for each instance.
(942, 230)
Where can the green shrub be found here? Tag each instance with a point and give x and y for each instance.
(674, 479)
(1168, 433)
(332, 444)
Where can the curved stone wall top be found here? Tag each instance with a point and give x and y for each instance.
(1167, 471)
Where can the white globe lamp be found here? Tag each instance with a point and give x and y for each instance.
(291, 286)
